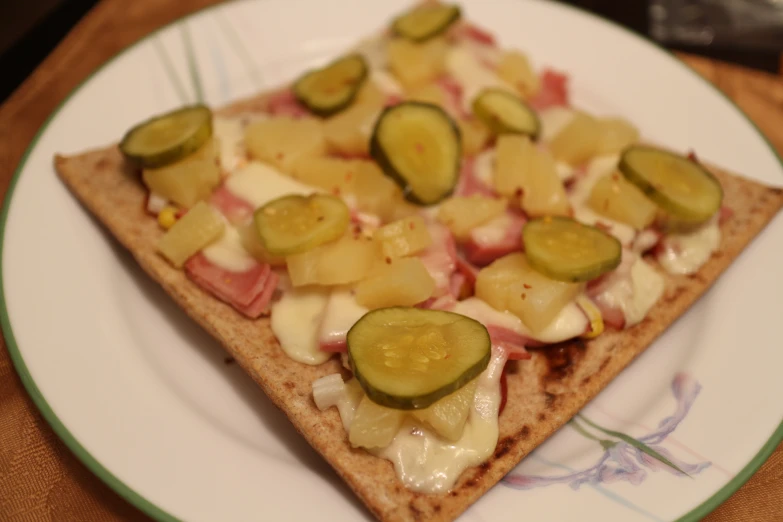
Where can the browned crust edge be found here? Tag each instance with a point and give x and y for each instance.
(541, 397)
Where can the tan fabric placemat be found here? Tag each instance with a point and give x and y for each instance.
(40, 479)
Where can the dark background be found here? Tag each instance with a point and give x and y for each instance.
(30, 29)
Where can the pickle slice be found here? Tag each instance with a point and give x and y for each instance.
(418, 146)
(331, 89)
(168, 138)
(295, 224)
(505, 113)
(567, 250)
(408, 358)
(426, 21)
(683, 188)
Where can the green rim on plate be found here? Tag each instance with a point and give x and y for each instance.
(156, 512)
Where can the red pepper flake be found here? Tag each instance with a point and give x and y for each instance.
(321, 218)
(388, 260)
(527, 286)
(519, 192)
(616, 177)
(411, 225)
(419, 147)
(280, 156)
(227, 280)
(357, 229)
(348, 177)
(523, 296)
(692, 156)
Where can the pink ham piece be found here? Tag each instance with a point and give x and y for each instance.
(234, 208)
(336, 346)
(612, 316)
(501, 236)
(249, 292)
(553, 92)
(453, 91)
(440, 258)
(284, 103)
(466, 31)
(512, 342)
(469, 184)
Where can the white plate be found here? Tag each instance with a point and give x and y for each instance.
(144, 397)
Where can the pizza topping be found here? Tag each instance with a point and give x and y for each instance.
(687, 191)
(347, 260)
(249, 292)
(402, 238)
(401, 282)
(331, 89)
(528, 176)
(426, 21)
(495, 239)
(418, 146)
(505, 113)
(463, 214)
(566, 250)
(617, 198)
(417, 64)
(408, 358)
(296, 319)
(168, 138)
(189, 180)
(198, 228)
(686, 253)
(295, 224)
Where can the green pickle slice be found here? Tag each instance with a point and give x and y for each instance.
(168, 138)
(295, 224)
(505, 113)
(331, 89)
(687, 191)
(426, 21)
(566, 250)
(418, 146)
(407, 358)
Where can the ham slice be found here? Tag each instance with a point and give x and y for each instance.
(470, 184)
(501, 236)
(249, 292)
(612, 316)
(440, 258)
(453, 91)
(284, 103)
(553, 92)
(466, 31)
(234, 208)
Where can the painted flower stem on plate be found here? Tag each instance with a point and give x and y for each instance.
(627, 458)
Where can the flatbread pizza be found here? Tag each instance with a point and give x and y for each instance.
(424, 255)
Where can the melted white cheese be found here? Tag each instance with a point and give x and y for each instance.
(228, 252)
(373, 50)
(685, 254)
(634, 295)
(484, 167)
(260, 183)
(598, 167)
(342, 312)
(230, 134)
(553, 120)
(569, 323)
(295, 321)
(473, 76)
(493, 231)
(564, 171)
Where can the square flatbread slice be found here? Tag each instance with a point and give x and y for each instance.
(543, 393)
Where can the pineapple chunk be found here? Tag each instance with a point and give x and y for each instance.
(403, 282)
(403, 238)
(370, 94)
(429, 93)
(615, 135)
(449, 415)
(377, 194)
(346, 260)
(578, 142)
(201, 226)
(415, 64)
(373, 425)
(189, 180)
(282, 141)
(349, 131)
(523, 171)
(514, 68)
(474, 135)
(510, 284)
(335, 175)
(462, 214)
(618, 199)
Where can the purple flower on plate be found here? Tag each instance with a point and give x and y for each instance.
(626, 458)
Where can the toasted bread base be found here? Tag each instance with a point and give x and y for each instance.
(543, 393)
